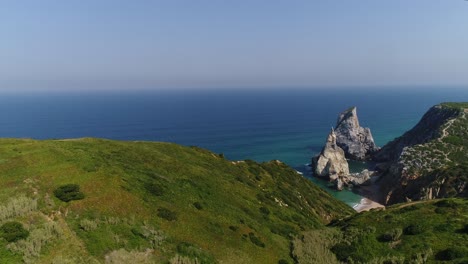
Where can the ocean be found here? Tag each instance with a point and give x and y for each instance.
(290, 125)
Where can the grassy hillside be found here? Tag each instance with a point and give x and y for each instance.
(420, 232)
(152, 202)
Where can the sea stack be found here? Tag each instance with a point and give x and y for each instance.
(356, 141)
(331, 162)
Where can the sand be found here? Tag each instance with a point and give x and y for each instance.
(370, 194)
(366, 204)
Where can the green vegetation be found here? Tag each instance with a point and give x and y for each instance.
(440, 164)
(455, 105)
(69, 192)
(409, 233)
(151, 202)
(13, 231)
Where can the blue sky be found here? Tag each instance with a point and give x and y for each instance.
(110, 44)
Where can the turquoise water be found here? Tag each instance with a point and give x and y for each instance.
(289, 125)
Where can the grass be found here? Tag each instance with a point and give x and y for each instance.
(408, 232)
(165, 201)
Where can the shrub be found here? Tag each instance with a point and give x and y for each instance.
(17, 206)
(13, 231)
(88, 225)
(464, 230)
(451, 254)
(124, 256)
(283, 230)
(392, 235)
(31, 247)
(167, 214)
(198, 205)
(254, 239)
(68, 192)
(414, 229)
(283, 261)
(191, 252)
(264, 211)
(155, 189)
(447, 203)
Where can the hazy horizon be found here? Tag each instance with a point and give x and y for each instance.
(163, 45)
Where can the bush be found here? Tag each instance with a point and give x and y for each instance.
(392, 235)
(155, 189)
(254, 239)
(198, 205)
(464, 230)
(451, 254)
(447, 203)
(68, 192)
(191, 252)
(88, 225)
(264, 211)
(283, 261)
(13, 231)
(414, 229)
(167, 214)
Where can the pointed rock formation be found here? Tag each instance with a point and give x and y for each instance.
(356, 141)
(331, 162)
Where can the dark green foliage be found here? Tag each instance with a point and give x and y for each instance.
(425, 234)
(264, 210)
(464, 230)
(284, 230)
(283, 261)
(198, 205)
(167, 214)
(193, 252)
(447, 203)
(392, 235)
(454, 140)
(342, 251)
(452, 253)
(254, 239)
(69, 192)
(414, 229)
(234, 228)
(13, 231)
(155, 189)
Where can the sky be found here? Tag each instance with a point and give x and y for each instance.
(175, 44)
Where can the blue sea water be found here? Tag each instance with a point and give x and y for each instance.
(286, 124)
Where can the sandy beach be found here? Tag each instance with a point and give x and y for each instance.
(366, 204)
(369, 199)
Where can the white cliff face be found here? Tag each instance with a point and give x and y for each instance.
(331, 162)
(356, 141)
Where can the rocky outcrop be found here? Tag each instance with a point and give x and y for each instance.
(428, 128)
(356, 141)
(331, 161)
(428, 161)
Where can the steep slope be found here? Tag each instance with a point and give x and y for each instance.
(356, 141)
(331, 162)
(148, 202)
(430, 160)
(420, 232)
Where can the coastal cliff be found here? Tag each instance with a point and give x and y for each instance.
(356, 141)
(430, 160)
(331, 162)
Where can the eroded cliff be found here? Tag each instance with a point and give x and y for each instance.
(429, 161)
